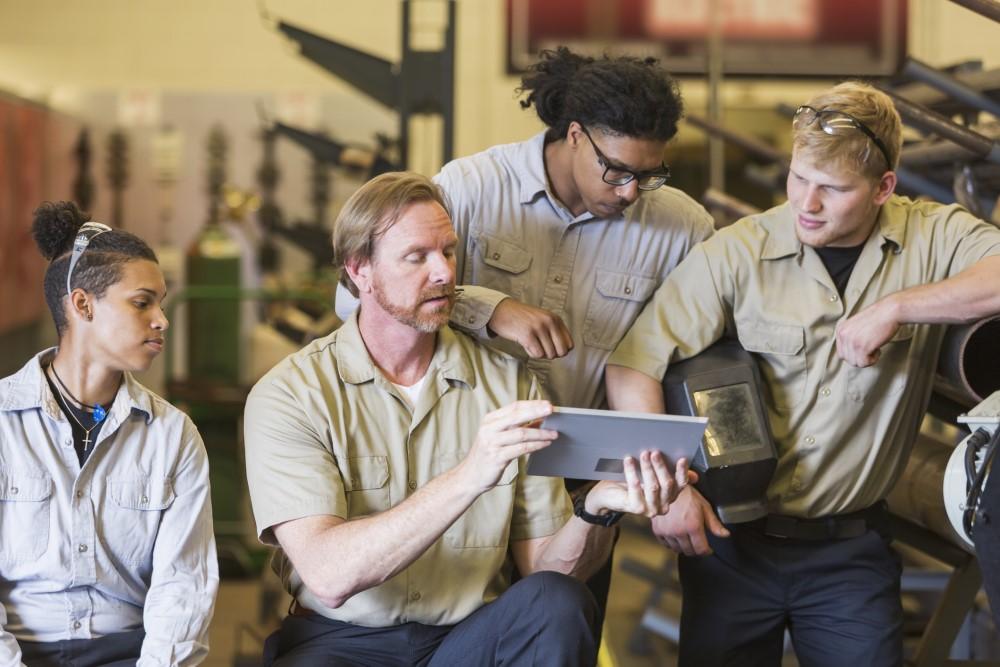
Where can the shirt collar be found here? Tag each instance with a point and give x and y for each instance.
(533, 178)
(783, 242)
(28, 389)
(355, 365)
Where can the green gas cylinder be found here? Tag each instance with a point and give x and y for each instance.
(213, 325)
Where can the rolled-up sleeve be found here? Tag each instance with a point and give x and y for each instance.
(185, 577)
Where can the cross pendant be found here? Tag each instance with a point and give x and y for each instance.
(86, 441)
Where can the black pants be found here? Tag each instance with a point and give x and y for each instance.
(545, 619)
(118, 650)
(599, 583)
(839, 599)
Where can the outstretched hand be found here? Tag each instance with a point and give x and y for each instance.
(649, 488)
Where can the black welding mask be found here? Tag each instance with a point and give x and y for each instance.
(737, 456)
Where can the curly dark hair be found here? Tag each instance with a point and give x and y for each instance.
(54, 229)
(632, 97)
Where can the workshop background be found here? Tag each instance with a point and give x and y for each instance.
(229, 133)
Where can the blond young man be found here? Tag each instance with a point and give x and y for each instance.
(841, 293)
(387, 462)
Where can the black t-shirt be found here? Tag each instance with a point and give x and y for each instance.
(78, 419)
(839, 263)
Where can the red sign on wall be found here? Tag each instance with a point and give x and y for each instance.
(761, 38)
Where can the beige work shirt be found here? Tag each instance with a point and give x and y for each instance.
(518, 240)
(327, 433)
(842, 433)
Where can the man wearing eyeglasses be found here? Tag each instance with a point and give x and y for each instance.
(841, 293)
(564, 237)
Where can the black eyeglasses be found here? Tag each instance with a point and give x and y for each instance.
(834, 122)
(615, 175)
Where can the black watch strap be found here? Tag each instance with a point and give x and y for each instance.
(606, 520)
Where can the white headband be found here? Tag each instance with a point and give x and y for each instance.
(83, 238)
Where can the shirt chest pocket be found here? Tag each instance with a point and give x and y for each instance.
(780, 353)
(367, 485)
(888, 375)
(502, 265)
(25, 503)
(486, 524)
(614, 304)
(131, 516)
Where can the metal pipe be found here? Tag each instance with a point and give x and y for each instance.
(929, 121)
(988, 8)
(934, 152)
(917, 495)
(916, 183)
(919, 71)
(747, 143)
(736, 208)
(970, 360)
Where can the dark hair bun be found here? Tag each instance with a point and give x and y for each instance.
(55, 227)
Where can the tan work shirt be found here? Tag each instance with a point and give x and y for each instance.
(842, 433)
(327, 433)
(518, 240)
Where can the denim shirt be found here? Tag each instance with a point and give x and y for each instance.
(124, 542)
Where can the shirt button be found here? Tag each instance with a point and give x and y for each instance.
(79, 494)
(472, 319)
(628, 290)
(82, 548)
(496, 255)
(833, 297)
(13, 490)
(76, 625)
(810, 440)
(143, 500)
(412, 485)
(825, 391)
(557, 279)
(415, 595)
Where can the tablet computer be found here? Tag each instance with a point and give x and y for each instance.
(592, 444)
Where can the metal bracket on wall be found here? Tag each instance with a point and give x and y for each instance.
(422, 83)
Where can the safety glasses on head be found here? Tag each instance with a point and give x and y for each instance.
(84, 236)
(836, 122)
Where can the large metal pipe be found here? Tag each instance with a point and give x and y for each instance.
(929, 121)
(970, 360)
(988, 8)
(918, 495)
(968, 371)
(919, 71)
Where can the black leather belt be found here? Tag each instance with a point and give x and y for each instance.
(833, 527)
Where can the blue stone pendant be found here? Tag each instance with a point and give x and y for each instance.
(99, 413)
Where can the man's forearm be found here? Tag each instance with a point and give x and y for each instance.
(352, 556)
(578, 549)
(631, 391)
(966, 297)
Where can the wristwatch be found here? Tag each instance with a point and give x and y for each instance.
(606, 520)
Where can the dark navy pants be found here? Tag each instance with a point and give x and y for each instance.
(118, 650)
(546, 619)
(839, 599)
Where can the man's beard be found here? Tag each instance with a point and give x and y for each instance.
(427, 322)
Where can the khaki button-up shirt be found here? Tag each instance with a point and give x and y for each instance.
(842, 433)
(518, 240)
(327, 433)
